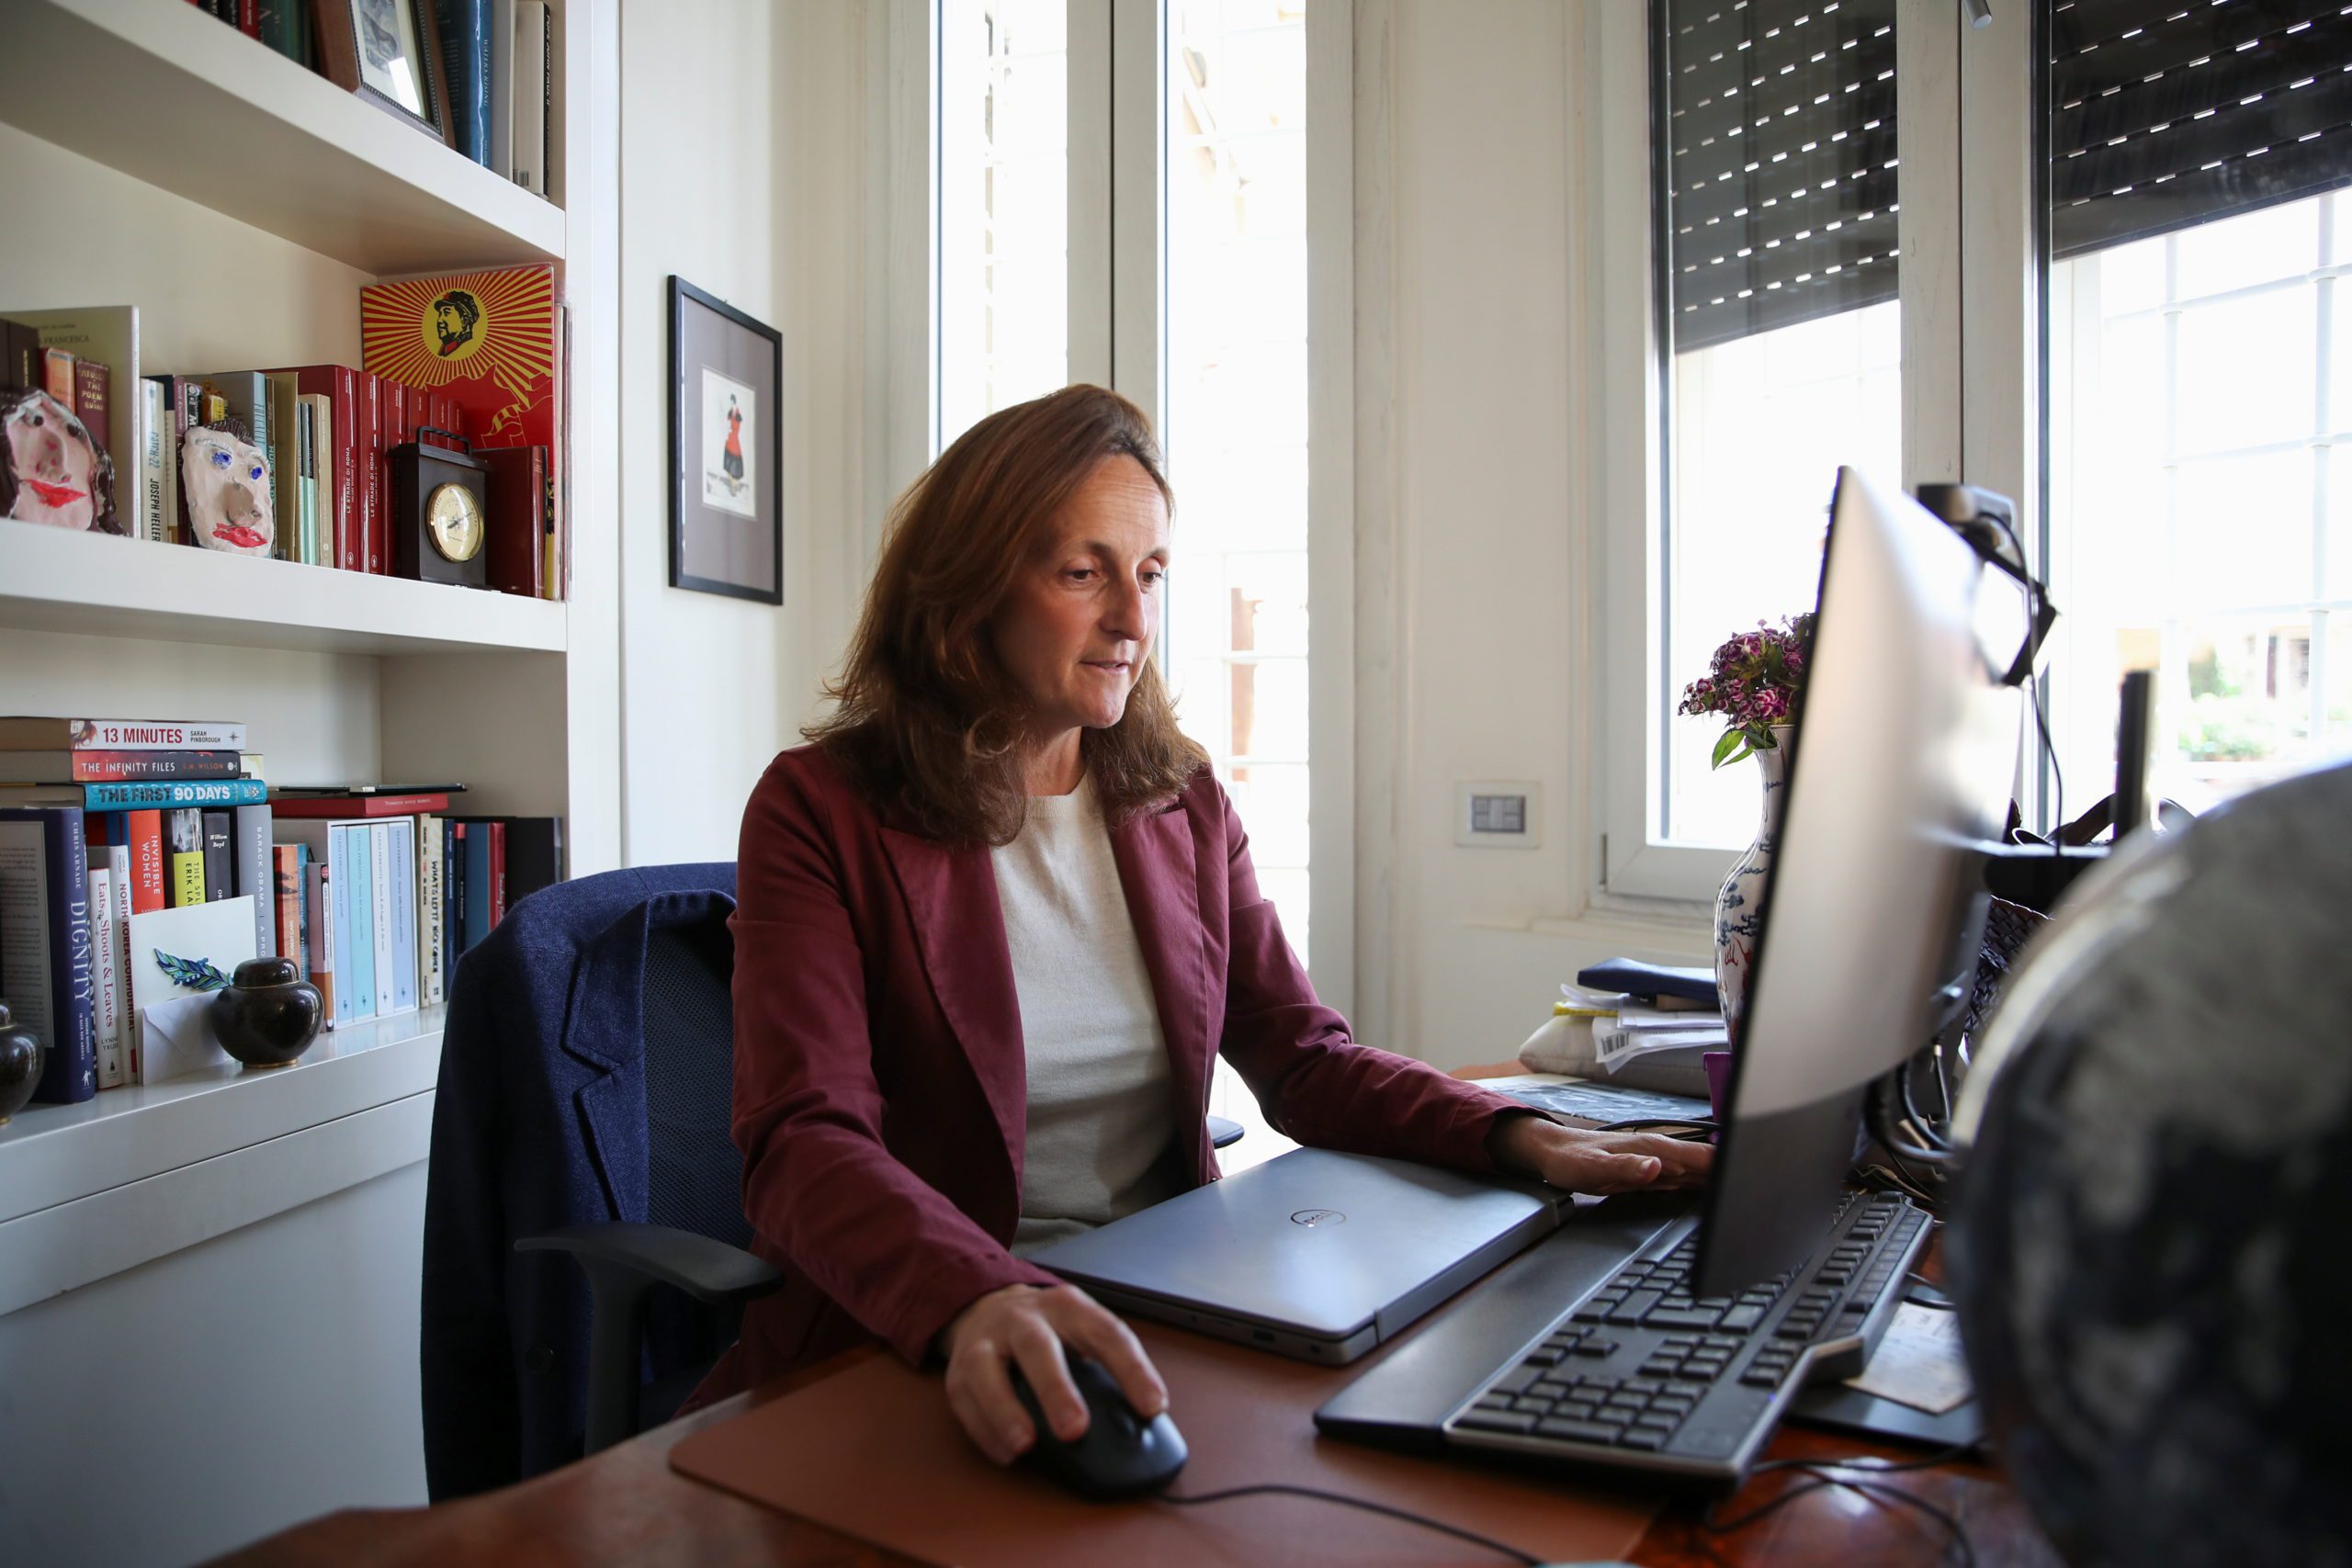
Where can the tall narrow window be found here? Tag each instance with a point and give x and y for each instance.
(1775, 205)
(1235, 418)
(2200, 430)
(1003, 206)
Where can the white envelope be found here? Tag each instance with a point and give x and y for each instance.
(178, 1039)
(218, 935)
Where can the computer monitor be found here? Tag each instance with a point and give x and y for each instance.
(1905, 753)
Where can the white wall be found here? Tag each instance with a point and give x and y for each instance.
(1478, 576)
(742, 134)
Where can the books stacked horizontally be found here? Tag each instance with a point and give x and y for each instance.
(398, 889)
(127, 846)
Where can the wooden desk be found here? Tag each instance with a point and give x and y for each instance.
(626, 1506)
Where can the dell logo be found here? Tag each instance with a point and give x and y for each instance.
(1311, 1217)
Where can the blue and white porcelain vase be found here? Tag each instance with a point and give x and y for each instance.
(1739, 907)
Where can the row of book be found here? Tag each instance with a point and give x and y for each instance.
(497, 60)
(143, 882)
(498, 57)
(469, 359)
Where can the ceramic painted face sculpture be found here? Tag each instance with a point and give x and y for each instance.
(226, 481)
(54, 468)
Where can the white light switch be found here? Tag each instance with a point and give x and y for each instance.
(1497, 813)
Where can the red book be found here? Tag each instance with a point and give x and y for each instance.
(497, 873)
(340, 385)
(518, 488)
(141, 832)
(92, 384)
(340, 807)
(114, 767)
(398, 427)
(485, 339)
(376, 518)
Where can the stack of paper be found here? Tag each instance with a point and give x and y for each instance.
(1639, 1031)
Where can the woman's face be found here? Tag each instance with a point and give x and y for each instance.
(1080, 621)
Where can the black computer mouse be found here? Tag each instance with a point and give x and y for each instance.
(1120, 1454)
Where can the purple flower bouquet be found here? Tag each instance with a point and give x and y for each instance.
(1753, 681)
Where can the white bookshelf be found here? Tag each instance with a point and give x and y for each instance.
(125, 83)
(241, 203)
(59, 582)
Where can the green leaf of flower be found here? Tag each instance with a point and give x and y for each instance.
(1734, 740)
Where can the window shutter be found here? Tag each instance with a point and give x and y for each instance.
(2167, 113)
(1779, 199)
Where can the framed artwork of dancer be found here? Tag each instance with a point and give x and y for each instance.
(726, 448)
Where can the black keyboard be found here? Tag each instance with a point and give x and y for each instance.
(1639, 1374)
(1643, 1375)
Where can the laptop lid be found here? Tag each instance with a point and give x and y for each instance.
(1331, 1247)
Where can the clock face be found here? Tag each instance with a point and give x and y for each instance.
(453, 521)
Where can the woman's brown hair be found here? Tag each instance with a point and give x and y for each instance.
(929, 724)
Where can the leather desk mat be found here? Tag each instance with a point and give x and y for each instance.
(872, 1453)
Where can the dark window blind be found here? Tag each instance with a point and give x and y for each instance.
(1779, 178)
(2167, 113)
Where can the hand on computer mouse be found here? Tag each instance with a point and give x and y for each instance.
(1595, 1162)
(1121, 1453)
(1026, 1325)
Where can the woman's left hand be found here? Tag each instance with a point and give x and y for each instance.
(1594, 1162)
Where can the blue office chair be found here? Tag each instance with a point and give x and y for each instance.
(695, 1238)
(582, 1107)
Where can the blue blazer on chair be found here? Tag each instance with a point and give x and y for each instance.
(539, 1123)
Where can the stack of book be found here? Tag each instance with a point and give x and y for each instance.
(123, 840)
(141, 860)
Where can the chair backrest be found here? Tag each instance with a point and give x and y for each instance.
(693, 1175)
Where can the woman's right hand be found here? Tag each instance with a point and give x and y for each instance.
(1028, 1325)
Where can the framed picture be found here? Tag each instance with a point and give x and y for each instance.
(388, 51)
(726, 449)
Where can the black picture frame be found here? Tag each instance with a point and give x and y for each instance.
(726, 498)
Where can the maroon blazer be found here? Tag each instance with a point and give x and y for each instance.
(880, 1089)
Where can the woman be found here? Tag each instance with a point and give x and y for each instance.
(992, 926)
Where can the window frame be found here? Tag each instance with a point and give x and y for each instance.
(1117, 293)
(1971, 401)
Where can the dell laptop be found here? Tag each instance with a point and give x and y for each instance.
(1314, 1254)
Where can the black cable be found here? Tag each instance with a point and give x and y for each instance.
(2057, 776)
(1932, 1135)
(1823, 1473)
(1514, 1553)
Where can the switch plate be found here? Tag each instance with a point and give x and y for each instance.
(1498, 814)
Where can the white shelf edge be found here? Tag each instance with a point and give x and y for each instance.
(56, 579)
(54, 1154)
(71, 1245)
(121, 82)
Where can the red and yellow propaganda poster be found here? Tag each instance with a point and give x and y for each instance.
(488, 339)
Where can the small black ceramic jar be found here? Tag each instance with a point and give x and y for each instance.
(19, 1065)
(269, 1014)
